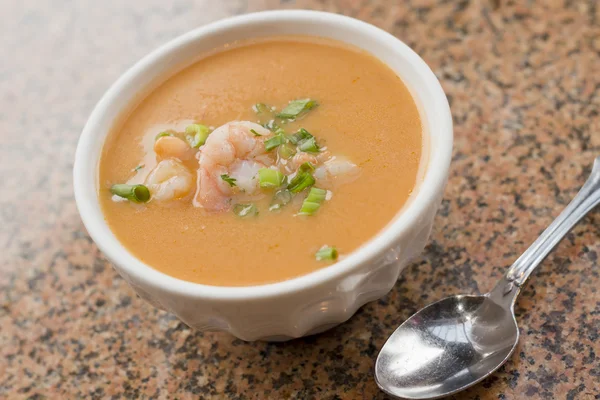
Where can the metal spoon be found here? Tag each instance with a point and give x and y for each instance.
(456, 342)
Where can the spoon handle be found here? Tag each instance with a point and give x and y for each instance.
(585, 200)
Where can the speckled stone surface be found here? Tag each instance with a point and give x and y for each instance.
(524, 85)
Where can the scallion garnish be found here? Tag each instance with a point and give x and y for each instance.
(136, 169)
(280, 199)
(327, 253)
(313, 201)
(270, 178)
(299, 136)
(286, 151)
(274, 142)
(261, 108)
(255, 133)
(135, 193)
(271, 125)
(274, 127)
(309, 145)
(229, 180)
(306, 167)
(165, 133)
(301, 181)
(245, 210)
(196, 134)
(296, 108)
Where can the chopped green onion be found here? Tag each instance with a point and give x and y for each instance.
(196, 134)
(280, 199)
(309, 208)
(274, 142)
(270, 178)
(297, 108)
(135, 193)
(165, 133)
(313, 201)
(245, 210)
(299, 136)
(309, 145)
(300, 182)
(136, 169)
(316, 195)
(229, 180)
(305, 140)
(306, 167)
(271, 125)
(286, 151)
(326, 253)
(274, 127)
(261, 108)
(279, 131)
(255, 133)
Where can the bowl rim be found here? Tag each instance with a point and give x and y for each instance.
(433, 181)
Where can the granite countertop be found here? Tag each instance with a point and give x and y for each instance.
(524, 88)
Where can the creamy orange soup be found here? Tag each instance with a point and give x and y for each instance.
(204, 217)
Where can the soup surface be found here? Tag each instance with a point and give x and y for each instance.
(365, 117)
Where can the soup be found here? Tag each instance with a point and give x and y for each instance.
(263, 161)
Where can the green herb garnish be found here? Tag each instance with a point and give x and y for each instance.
(135, 193)
(274, 127)
(274, 142)
(261, 108)
(196, 134)
(255, 133)
(301, 181)
(280, 199)
(326, 253)
(313, 201)
(286, 151)
(309, 145)
(270, 178)
(299, 136)
(271, 125)
(162, 134)
(306, 167)
(296, 108)
(229, 180)
(245, 210)
(136, 169)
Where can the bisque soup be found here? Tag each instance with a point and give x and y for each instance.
(263, 161)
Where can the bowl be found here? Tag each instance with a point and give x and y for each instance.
(321, 299)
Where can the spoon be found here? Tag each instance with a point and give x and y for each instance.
(456, 342)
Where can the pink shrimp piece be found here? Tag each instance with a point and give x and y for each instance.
(172, 147)
(169, 180)
(315, 159)
(236, 149)
(301, 158)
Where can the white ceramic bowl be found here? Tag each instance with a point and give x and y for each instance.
(313, 302)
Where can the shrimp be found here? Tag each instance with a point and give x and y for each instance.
(237, 150)
(315, 159)
(336, 171)
(172, 146)
(301, 158)
(169, 180)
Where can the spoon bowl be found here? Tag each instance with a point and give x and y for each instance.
(447, 346)
(458, 341)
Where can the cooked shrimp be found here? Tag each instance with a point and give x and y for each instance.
(169, 180)
(302, 157)
(172, 146)
(315, 159)
(336, 171)
(234, 150)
